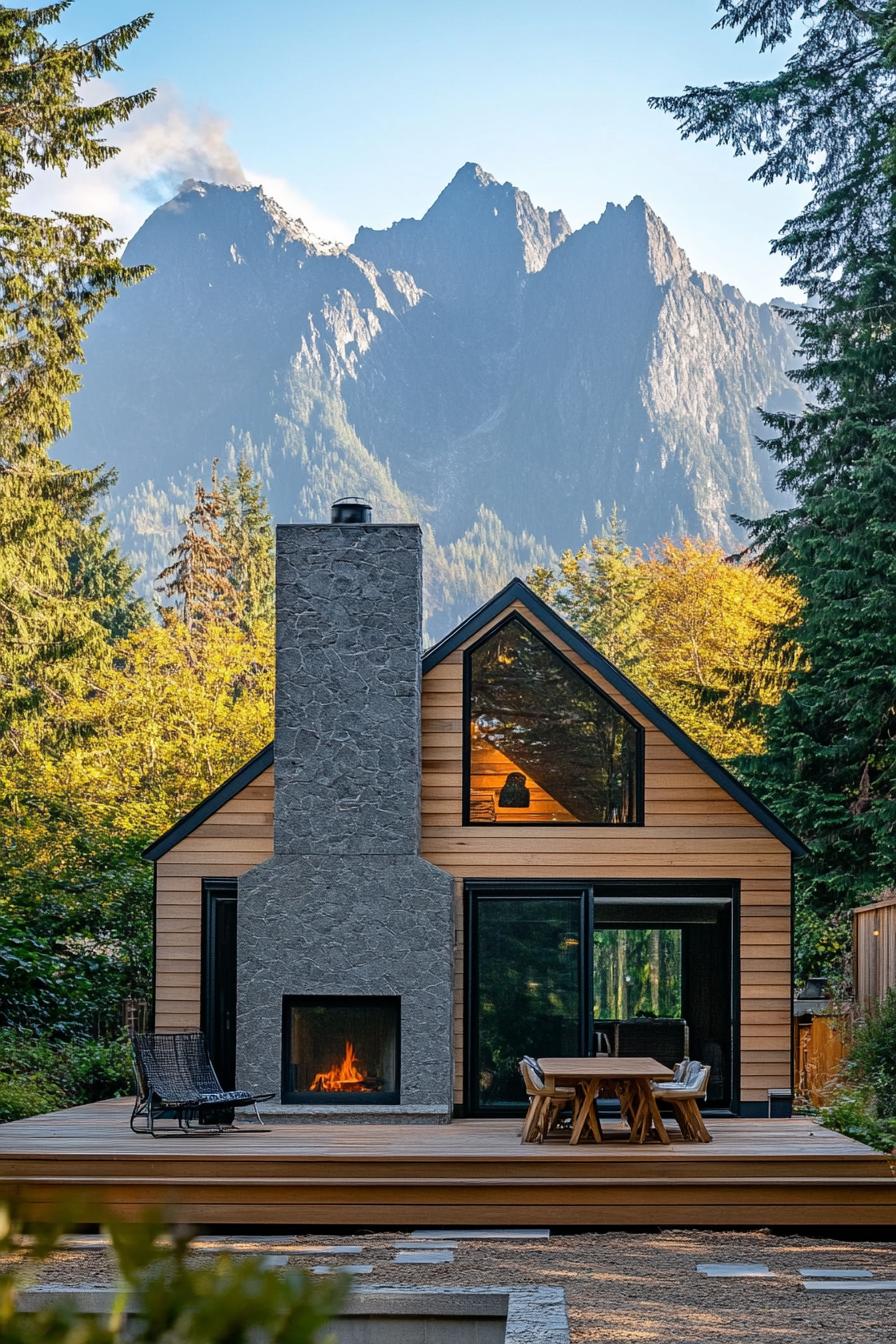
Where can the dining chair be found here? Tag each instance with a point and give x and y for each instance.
(545, 1103)
(683, 1097)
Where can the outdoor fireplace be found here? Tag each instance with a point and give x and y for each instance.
(341, 1050)
(345, 922)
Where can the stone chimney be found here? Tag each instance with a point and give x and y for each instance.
(346, 906)
(347, 706)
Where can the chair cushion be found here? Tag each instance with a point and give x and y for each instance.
(532, 1065)
(224, 1098)
(680, 1070)
(692, 1073)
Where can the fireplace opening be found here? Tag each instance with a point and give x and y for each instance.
(341, 1049)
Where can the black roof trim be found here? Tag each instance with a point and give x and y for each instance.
(517, 591)
(229, 789)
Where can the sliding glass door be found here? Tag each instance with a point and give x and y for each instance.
(633, 968)
(527, 967)
(663, 961)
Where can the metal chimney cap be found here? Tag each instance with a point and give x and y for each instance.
(351, 510)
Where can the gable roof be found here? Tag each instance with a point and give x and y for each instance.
(515, 591)
(202, 811)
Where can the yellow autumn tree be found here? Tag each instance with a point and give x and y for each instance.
(707, 621)
(688, 624)
(161, 725)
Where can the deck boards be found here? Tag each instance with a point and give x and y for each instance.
(469, 1173)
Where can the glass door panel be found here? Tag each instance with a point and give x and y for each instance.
(527, 961)
(637, 972)
(663, 980)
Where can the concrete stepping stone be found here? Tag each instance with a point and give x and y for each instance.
(433, 1245)
(735, 1271)
(482, 1233)
(423, 1258)
(850, 1285)
(226, 1242)
(837, 1273)
(327, 1250)
(342, 1269)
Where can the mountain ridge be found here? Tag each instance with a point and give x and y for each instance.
(486, 368)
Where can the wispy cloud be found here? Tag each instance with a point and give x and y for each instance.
(160, 147)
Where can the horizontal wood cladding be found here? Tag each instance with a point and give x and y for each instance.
(228, 844)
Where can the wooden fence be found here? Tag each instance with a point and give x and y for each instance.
(874, 949)
(820, 1046)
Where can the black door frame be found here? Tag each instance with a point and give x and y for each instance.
(476, 889)
(213, 890)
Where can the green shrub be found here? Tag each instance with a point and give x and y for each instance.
(873, 1055)
(27, 1095)
(95, 1070)
(865, 1107)
(38, 1075)
(220, 1301)
(854, 1112)
(29, 1076)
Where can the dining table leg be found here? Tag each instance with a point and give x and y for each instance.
(634, 1111)
(643, 1113)
(652, 1115)
(586, 1114)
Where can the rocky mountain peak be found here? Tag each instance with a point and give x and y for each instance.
(217, 218)
(636, 232)
(479, 233)
(473, 173)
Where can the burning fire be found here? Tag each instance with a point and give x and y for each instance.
(342, 1077)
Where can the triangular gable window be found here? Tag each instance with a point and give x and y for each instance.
(544, 745)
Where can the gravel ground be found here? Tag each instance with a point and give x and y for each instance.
(631, 1288)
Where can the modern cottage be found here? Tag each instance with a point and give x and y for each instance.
(448, 860)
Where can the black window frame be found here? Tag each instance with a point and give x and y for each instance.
(637, 820)
(214, 889)
(589, 890)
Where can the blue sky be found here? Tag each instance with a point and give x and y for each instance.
(361, 112)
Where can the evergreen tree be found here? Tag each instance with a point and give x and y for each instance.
(61, 586)
(248, 537)
(828, 118)
(198, 578)
(56, 273)
(64, 592)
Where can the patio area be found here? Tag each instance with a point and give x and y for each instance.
(471, 1173)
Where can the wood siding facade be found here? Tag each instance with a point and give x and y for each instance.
(235, 838)
(693, 829)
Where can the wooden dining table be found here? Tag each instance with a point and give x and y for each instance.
(629, 1078)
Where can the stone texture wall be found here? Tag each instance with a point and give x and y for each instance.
(347, 707)
(346, 905)
(309, 925)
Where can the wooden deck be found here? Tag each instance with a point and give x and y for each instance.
(769, 1173)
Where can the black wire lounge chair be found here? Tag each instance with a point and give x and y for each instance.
(175, 1077)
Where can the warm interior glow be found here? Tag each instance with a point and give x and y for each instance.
(342, 1077)
(489, 769)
